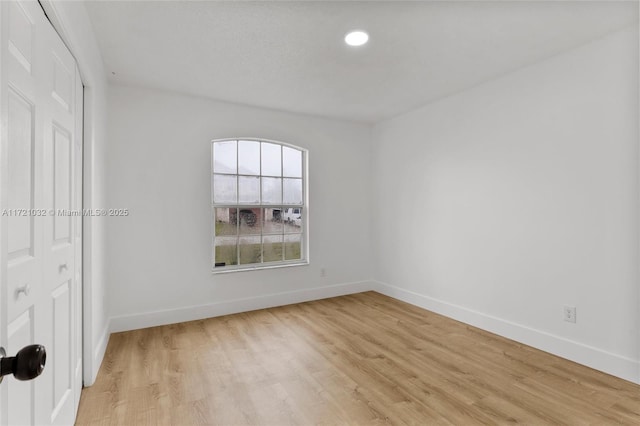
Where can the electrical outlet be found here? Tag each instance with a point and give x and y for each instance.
(323, 272)
(570, 313)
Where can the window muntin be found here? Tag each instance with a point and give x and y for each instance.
(258, 204)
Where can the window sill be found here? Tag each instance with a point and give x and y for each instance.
(242, 268)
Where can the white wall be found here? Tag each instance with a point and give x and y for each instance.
(501, 204)
(159, 162)
(72, 23)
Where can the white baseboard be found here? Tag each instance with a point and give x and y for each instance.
(190, 313)
(625, 368)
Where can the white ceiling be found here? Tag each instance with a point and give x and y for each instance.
(291, 55)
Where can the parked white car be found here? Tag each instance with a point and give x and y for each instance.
(293, 216)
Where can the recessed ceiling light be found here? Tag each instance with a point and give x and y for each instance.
(356, 38)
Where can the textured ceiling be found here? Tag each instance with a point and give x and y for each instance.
(291, 55)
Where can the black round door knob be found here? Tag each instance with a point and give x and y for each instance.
(26, 365)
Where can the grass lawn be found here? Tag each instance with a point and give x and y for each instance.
(223, 228)
(250, 253)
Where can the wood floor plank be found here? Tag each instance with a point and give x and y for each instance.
(363, 359)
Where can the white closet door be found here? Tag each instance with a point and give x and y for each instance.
(40, 236)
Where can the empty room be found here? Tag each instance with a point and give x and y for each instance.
(319, 212)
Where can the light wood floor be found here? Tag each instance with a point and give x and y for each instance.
(359, 359)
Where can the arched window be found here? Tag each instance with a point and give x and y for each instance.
(259, 193)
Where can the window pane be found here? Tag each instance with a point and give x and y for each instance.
(226, 251)
(224, 157)
(225, 189)
(272, 248)
(271, 159)
(292, 247)
(292, 220)
(250, 221)
(249, 189)
(251, 181)
(250, 249)
(249, 158)
(291, 162)
(225, 221)
(272, 221)
(271, 190)
(292, 191)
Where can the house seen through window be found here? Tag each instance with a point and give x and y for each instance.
(258, 203)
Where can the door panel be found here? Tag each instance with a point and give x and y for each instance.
(40, 245)
(62, 84)
(23, 258)
(61, 185)
(21, 394)
(21, 35)
(58, 168)
(21, 185)
(61, 349)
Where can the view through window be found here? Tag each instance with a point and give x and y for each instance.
(258, 202)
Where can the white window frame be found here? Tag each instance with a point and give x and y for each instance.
(304, 235)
